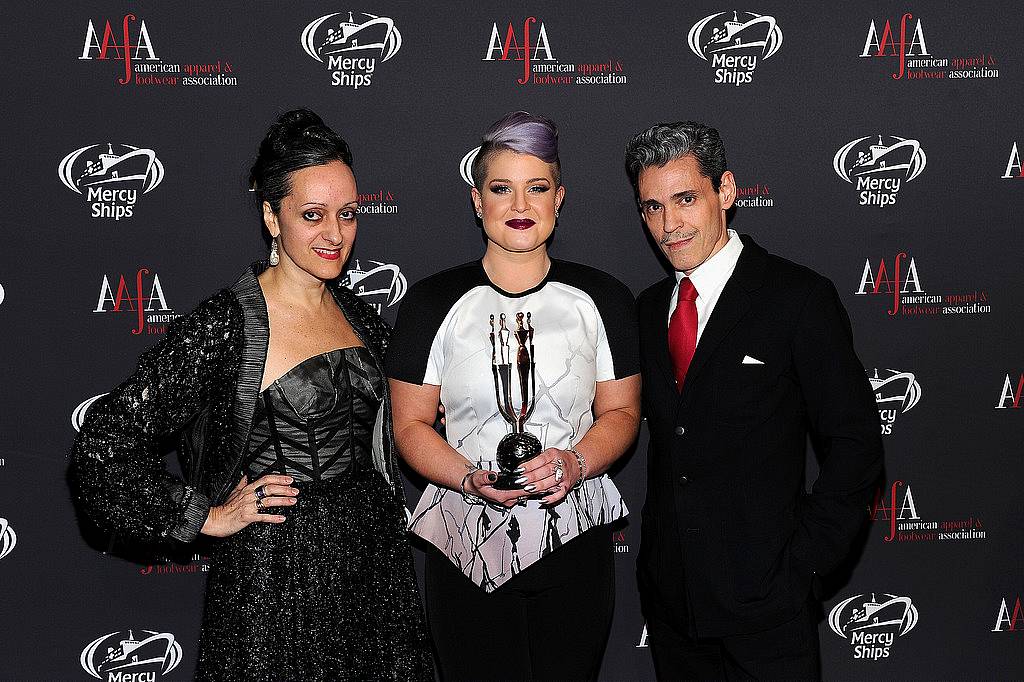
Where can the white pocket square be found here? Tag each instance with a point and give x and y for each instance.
(747, 360)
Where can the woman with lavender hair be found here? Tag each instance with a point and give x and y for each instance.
(520, 582)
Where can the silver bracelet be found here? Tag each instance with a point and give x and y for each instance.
(470, 498)
(582, 462)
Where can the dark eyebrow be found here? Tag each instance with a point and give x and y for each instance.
(685, 193)
(649, 202)
(530, 180)
(320, 203)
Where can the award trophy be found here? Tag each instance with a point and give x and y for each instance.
(519, 445)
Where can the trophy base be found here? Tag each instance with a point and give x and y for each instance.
(513, 450)
(507, 481)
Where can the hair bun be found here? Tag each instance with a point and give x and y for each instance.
(297, 139)
(292, 126)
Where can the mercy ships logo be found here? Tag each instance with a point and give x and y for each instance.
(895, 393)
(382, 285)
(879, 168)
(111, 177)
(351, 48)
(124, 655)
(8, 538)
(872, 625)
(466, 165)
(735, 46)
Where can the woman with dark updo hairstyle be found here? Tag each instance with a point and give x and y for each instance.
(275, 388)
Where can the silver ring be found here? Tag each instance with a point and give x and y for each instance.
(259, 506)
(260, 492)
(559, 474)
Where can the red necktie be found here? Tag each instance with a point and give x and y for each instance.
(682, 331)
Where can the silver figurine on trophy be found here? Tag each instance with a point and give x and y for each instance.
(519, 445)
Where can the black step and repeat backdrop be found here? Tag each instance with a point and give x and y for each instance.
(878, 142)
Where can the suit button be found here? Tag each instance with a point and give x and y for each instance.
(680, 430)
(683, 480)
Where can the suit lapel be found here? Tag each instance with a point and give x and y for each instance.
(732, 306)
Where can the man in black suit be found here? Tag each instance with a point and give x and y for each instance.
(743, 356)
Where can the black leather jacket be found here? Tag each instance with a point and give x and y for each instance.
(201, 383)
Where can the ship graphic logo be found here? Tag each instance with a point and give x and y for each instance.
(328, 37)
(8, 538)
(382, 285)
(873, 156)
(897, 389)
(466, 165)
(119, 655)
(743, 33)
(78, 415)
(111, 166)
(890, 613)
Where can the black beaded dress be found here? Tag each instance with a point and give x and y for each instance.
(330, 593)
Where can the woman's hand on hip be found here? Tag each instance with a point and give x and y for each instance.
(243, 505)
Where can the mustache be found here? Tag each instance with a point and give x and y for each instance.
(671, 239)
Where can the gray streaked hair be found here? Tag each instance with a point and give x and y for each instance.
(666, 142)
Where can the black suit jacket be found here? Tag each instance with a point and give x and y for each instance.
(730, 539)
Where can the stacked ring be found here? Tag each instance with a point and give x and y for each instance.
(259, 506)
(559, 474)
(260, 492)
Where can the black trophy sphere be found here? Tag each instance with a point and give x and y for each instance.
(516, 448)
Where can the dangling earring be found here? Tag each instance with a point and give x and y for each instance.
(556, 213)
(275, 257)
(479, 214)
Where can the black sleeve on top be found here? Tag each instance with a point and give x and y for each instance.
(615, 305)
(423, 310)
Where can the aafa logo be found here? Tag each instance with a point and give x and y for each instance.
(79, 413)
(888, 511)
(734, 46)
(110, 179)
(642, 644)
(1009, 397)
(1013, 166)
(891, 280)
(520, 49)
(382, 285)
(123, 656)
(351, 48)
(1007, 622)
(466, 165)
(109, 48)
(148, 304)
(878, 166)
(872, 625)
(887, 46)
(8, 538)
(896, 393)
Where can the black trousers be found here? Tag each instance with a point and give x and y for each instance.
(550, 622)
(786, 652)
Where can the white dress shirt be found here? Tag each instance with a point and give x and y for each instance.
(709, 279)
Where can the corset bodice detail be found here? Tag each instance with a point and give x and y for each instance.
(316, 421)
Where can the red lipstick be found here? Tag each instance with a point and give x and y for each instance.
(520, 223)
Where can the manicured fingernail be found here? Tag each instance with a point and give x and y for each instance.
(521, 480)
(530, 488)
(492, 477)
(520, 470)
